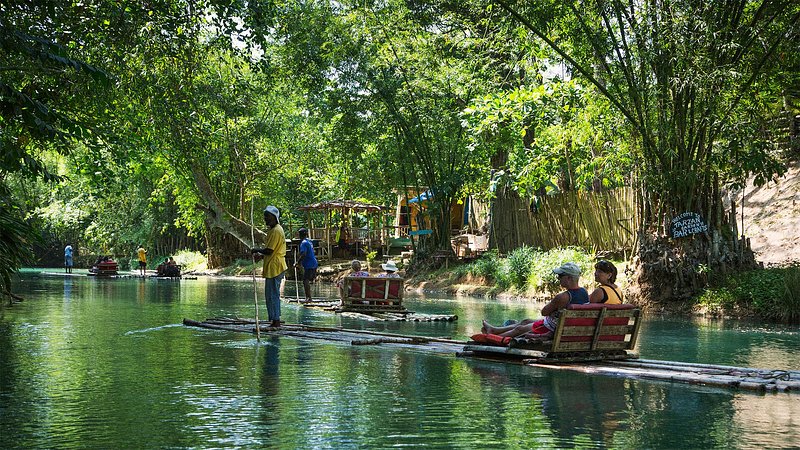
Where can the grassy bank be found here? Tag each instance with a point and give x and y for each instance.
(772, 293)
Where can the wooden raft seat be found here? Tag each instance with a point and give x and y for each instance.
(372, 294)
(104, 268)
(584, 332)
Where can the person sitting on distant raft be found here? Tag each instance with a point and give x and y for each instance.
(390, 270)
(160, 269)
(357, 272)
(605, 273)
(568, 276)
(171, 269)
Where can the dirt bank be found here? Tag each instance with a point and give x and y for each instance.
(771, 218)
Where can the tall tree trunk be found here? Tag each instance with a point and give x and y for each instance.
(222, 247)
(217, 217)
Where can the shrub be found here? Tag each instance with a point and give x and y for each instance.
(721, 299)
(240, 267)
(487, 266)
(772, 293)
(758, 288)
(788, 305)
(461, 270)
(526, 268)
(189, 260)
(541, 277)
(520, 265)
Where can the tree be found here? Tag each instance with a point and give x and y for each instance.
(678, 71)
(44, 103)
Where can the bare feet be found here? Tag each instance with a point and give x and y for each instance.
(486, 328)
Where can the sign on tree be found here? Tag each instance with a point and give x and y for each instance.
(686, 224)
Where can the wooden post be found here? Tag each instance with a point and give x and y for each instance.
(328, 233)
(638, 318)
(597, 328)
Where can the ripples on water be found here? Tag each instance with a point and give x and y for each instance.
(107, 364)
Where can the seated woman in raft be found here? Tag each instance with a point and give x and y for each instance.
(356, 272)
(568, 276)
(605, 273)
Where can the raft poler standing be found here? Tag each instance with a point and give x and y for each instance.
(274, 263)
(308, 260)
(142, 253)
(68, 258)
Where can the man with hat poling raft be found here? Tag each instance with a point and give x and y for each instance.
(274, 263)
(568, 276)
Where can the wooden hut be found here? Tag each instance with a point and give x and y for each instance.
(467, 219)
(335, 228)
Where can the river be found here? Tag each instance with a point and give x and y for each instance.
(106, 363)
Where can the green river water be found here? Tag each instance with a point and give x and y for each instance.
(106, 363)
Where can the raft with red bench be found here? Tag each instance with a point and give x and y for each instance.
(104, 268)
(590, 332)
(373, 295)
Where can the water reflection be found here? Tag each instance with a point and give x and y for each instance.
(117, 367)
(573, 405)
(68, 282)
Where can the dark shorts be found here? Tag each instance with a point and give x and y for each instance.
(142, 265)
(309, 274)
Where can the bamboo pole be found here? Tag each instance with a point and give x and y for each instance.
(253, 256)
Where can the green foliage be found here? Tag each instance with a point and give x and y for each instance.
(542, 264)
(720, 299)
(686, 77)
(241, 267)
(15, 238)
(578, 138)
(371, 256)
(772, 293)
(526, 269)
(788, 305)
(190, 260)
(520, 265)
(488, 266)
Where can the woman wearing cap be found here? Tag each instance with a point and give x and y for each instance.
(568, 276)
(605, 273)
(274, 263)
(390, 269)
(308, 260)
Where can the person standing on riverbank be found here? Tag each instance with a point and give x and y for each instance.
(142, 255)
(569, 275)
(274, 264)
(68, 259)
(308, 260)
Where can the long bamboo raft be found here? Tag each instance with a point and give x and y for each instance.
(745, 378)
(332, 334)
(334, 306)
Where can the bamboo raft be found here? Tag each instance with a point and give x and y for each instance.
(745, 378)
(374, 316)
(332, 334)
